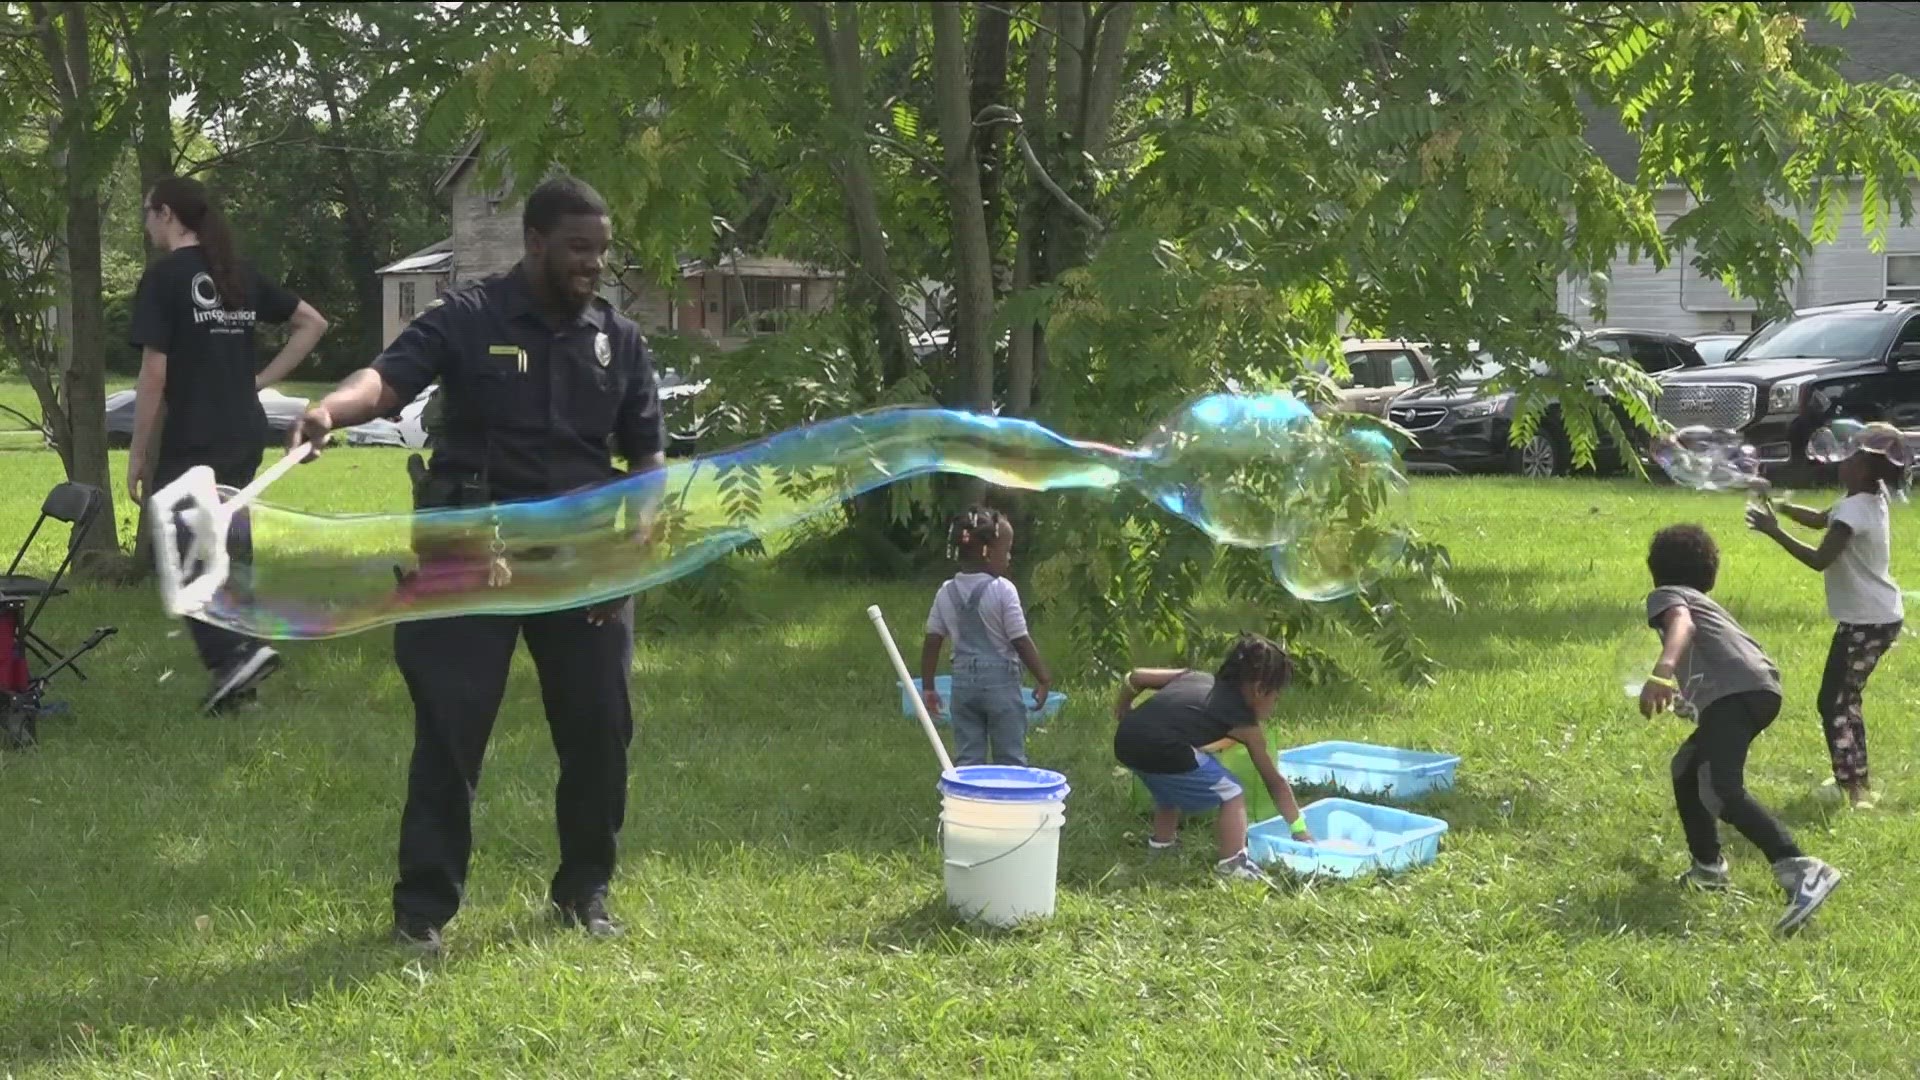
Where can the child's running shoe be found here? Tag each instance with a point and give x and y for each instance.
(1242, 868)
(1711, 878)
(1808, 883)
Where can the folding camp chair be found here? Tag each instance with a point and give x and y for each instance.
(78, 505)
(22, 599)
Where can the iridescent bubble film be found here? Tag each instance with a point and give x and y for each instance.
(1257, 471)
(1841, 439)
(1707, 459)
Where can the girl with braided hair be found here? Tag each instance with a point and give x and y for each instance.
(979, 610)
(1863, 599)
(1161, 742)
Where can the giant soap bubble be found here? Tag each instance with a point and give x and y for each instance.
(1843, 438)
(1257, 471)
(1708, 459)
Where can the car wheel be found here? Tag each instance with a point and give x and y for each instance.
(1538, 458)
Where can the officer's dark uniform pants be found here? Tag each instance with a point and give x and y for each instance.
(233, 468)
(456, 671)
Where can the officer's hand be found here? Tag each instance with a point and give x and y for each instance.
(314, 427)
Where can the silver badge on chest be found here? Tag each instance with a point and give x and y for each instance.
(602, 349)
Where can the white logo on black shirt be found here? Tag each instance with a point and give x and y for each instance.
(206, 297)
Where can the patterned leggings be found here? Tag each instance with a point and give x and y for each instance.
(1850, 660)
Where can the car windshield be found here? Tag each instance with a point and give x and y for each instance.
(1714, 350)
(1830, 335)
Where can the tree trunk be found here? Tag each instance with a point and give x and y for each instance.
(973, 270)
(973, 260)
(64, 41)
(152, 69)
(992, 33)
(1026, 339)
(838, 35)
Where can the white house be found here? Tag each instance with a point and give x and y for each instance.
(408, 285)
(1883, 39)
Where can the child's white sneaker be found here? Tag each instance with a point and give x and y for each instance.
(1241, 868)
(1161, 847)
(1808, 883)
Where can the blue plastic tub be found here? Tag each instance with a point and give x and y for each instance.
(1362, 769)
(944, 683)
(1350, 839)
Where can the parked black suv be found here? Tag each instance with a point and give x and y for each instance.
(1859, 360)
(1469, 430)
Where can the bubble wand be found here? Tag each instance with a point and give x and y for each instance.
(196, 498)
(906, 680)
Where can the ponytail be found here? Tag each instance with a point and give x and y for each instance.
(1257, 661)
(189, 201)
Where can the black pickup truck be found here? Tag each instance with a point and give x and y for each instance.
(1859, 360)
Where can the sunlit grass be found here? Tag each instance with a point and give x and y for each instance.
(190, 897)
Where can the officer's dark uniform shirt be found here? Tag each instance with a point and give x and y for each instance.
(533, 408)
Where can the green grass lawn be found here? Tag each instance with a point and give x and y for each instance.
(182, 896)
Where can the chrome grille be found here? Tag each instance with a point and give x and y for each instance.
(1418, 417)
(1714, 405)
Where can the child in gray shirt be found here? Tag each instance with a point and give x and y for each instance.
(1725, 680)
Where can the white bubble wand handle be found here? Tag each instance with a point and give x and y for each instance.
(906, 680)
(189, 578)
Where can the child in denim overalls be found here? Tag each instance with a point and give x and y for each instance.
(979, 610)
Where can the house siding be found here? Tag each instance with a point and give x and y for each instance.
(487, 236)
(1847, 268)
(394, 315)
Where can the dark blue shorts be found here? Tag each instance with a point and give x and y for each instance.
(1207, 786)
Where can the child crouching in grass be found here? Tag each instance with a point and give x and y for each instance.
(1734, 691)
(1161, 739)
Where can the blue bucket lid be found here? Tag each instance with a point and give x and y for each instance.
(1004, 783)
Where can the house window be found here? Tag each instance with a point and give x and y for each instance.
(766, 301)
(409, 306)
(1903, 276)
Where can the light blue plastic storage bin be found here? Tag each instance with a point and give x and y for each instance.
(1363, 769)
(1365, 839)
(944, 684)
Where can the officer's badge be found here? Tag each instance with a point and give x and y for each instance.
(602, 349)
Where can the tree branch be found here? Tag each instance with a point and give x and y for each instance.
(225, 156)
(1035, 23)
(63, 85)
(1000, 114)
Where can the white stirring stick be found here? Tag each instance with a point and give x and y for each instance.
(906, 680)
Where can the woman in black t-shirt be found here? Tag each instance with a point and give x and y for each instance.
(193, 322)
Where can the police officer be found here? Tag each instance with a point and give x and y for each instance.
(538, 376)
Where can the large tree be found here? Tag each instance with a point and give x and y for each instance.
(68, 104)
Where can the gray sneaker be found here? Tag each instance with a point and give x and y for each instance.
(1709, 877)
(234, 682)
(1242, 868)
(1808, 883)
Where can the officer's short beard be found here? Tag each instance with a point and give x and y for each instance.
(555, 285)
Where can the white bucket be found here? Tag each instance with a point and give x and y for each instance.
(1002, 850)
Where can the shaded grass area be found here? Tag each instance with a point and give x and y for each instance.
(185, 896)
